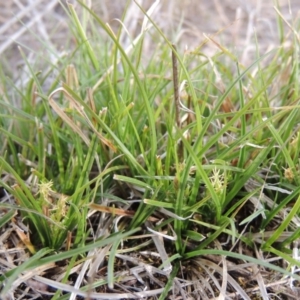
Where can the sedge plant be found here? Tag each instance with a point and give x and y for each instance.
(185, 153)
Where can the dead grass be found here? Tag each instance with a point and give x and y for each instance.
(139, 266)
(24, 22)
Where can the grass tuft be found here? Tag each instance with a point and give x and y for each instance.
(127, 173)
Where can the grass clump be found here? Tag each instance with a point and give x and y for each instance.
(140, 176)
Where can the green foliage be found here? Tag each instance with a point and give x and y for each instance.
(111, 122)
